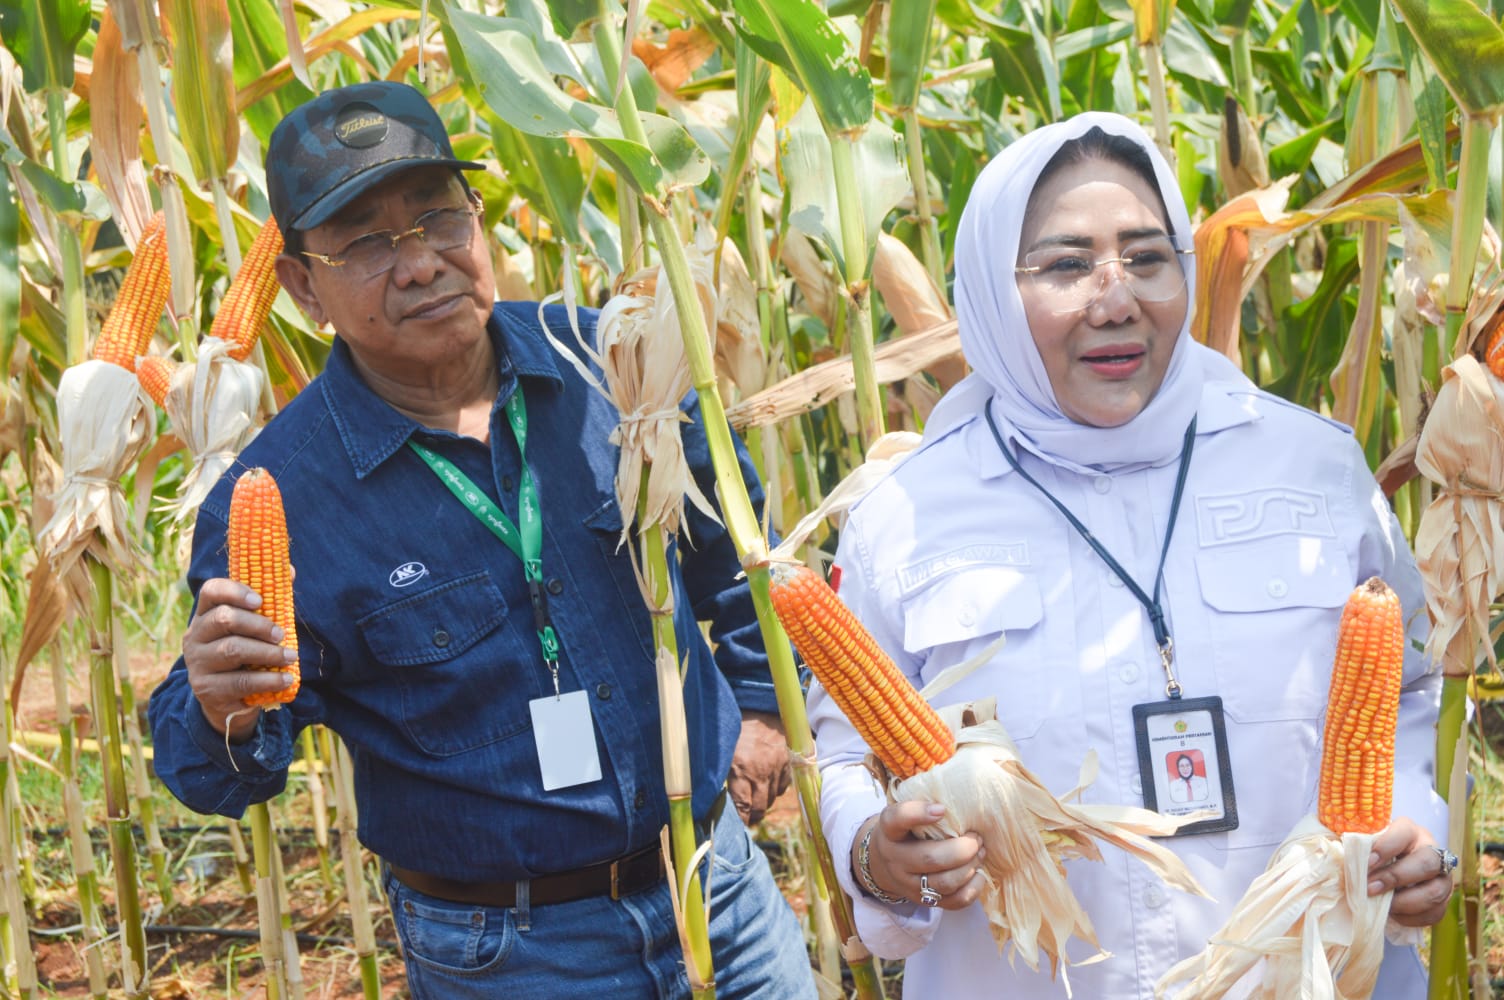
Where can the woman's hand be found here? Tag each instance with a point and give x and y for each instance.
(897, 859)
(1406, 859)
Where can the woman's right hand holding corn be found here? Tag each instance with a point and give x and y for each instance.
(897, 859)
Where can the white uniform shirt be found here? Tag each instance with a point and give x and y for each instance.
(1280, 520)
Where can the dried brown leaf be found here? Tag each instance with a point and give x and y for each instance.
(115, 123)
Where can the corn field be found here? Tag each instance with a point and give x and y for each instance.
(1342, 159)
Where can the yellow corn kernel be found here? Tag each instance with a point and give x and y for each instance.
(248, 302)
(258, 552)
(1357, 756)
(900, 726)
(132, 320)
(154, 372)
(1495, 355)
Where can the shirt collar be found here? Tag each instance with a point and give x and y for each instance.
(1223, 405)
(371, 430)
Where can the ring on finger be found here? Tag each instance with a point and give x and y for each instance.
(1447, 859)
(928, 896)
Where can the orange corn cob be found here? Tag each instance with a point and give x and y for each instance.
(258, 559)
(1495, 355)
(1357, 756)
(900, 726)
(155, 375)
(248, 301)
(132, 320)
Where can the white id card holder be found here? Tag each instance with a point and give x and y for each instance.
(1183, 763)
(565, 737)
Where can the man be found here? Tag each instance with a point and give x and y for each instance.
(503, 722)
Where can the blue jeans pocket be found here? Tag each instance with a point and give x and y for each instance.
(734, 848)
(449, 939)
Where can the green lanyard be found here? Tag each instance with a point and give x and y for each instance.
(526, 542)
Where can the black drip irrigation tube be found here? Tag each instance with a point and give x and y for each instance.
(172, 930)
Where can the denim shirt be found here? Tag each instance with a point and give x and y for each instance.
(417, 638)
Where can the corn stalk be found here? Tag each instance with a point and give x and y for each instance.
(141, 784)
(133, 967)
(268, 901)
(317, 796)
(85, 877)
(677, 781)
(350, 858)
(14, 924)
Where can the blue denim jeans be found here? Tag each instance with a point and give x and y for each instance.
(601, 948)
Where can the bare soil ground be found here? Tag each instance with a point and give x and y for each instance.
(221, 956)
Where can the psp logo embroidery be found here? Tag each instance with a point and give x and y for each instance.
(1278, 510)
(407, 574)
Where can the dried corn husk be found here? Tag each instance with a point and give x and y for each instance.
(1460, 543)
(1306, 929)
(1029, 833)
(213, 404)
(640, 352)
(739, 357)
(103, 420)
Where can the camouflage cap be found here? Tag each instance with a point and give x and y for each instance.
(329, 150)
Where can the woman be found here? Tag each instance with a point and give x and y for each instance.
(1089, 399)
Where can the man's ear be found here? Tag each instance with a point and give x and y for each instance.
(297, 278)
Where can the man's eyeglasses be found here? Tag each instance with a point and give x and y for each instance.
(376, 253)
(1068, 279)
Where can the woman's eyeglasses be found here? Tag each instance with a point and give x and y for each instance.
(1068, 279)
(376, 253)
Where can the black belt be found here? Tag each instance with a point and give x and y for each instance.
(631, 873)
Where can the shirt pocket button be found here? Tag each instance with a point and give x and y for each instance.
(603, 691)
(440, 638)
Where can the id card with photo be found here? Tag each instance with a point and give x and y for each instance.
(1183, 762)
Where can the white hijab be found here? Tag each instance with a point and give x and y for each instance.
(995, 337)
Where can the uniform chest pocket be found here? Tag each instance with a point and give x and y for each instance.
(958, 616)
(1278, 602)
(455, 659)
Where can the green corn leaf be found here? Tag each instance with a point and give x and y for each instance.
(203, 84)
(10, 266)
(509, 75)
(570, 15)
(818, 55)
(1465, 45)
(908, 49)
(261, 43)
(813, 209)
(57, 194)
(41, 35)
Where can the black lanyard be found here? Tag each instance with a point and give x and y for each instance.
(1151, 605)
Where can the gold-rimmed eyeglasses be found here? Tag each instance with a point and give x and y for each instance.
(376, 253)
(1068, 279)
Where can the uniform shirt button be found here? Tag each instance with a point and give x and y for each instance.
(1114, 581)
(555, 586)
(603, 691)
(1128, 673)
(440, 638)
(1137, 784)
(967, 615)
(506, 484)
(1155, 897)
(640, 799)
(1102, 484)
(1278, 588)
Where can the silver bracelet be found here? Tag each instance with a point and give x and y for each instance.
(864, 872)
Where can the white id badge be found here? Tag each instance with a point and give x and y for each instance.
(1184, 764)
(565, 738)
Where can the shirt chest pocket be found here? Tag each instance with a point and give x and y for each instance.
(959, 616)
(456, 661)
(1277, 603)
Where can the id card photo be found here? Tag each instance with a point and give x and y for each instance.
(1183, 746)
